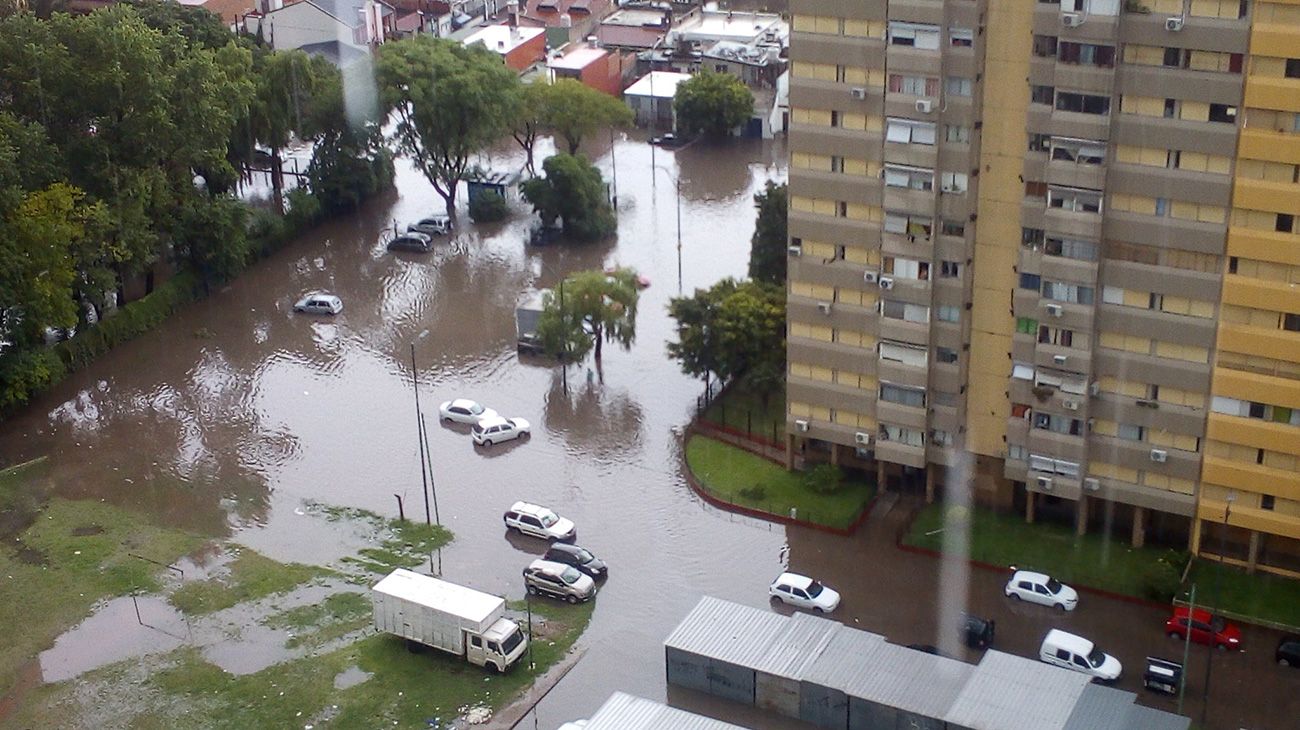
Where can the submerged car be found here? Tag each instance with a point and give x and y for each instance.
(804, 592)
(538, 521)
(494, 430)
(561, 581)
(434, 225)
(411, 241)
(578, 557)
(319, 303)
(464, 410)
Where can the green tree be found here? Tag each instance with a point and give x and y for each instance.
(211, 234)
(712, 104)
(529, 119)
(451, 102)
(292, 88)
(590, 308)
(199, 25)
(732, 330)
(574, 110)
(347, 167)
(573, 192)
(767, 248)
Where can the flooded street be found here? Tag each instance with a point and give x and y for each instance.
(236, 416)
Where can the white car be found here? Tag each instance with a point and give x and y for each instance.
(463, 410)
(434, 225)
(1026, 585)
(804, 592)
(494, 430)
(538, 521)
(319, 303)
(1077, 653)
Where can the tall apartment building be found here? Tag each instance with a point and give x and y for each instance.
(1052, 247)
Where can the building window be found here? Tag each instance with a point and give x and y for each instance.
(1032, 238)
(1071, 249)
(1293, 68)
(1026, 325)
(1078, 151)
(1045, 46)
(958, 86)
(1087, 54)
(945, 355)
(837, 164)
(1267, 502)
(1041, 94)
(961, 37)
(952, 228)
(906, 268)
(1225, 113)
(945, 313)
(916, 35)
(1067, 101)
(913, 85)
(1020, 410)
(918, 313)
(913, 397)
(954, 182)
(1031, 281)
(841, 74)
(1058, 424)
(1285, 222)
(1075, 199)
(949, 269)
(1131, 432)
(914, 178)
(907, 131)
(1040, 142)
(1291, 322)
(1066, 292)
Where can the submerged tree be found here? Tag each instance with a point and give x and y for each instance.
(732, 330)
(712, 104)
(589, 309)
(767, 248)
(572, 192)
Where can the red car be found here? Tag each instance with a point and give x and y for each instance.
(1205, 628)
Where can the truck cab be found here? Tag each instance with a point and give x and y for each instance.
(499, 647)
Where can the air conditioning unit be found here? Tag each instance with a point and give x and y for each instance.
(925, 106)
(794, 250)
(886, 282)
(1094, 388)
(1091, 484)
(1070, 405)
(1044, 483)
(800, 425)
(1055, 310)
(1159, 456)
(870, 277)
(1059, 359)
(1174, 24)
(1071, 20)
(858, 94)
(861, 439)
(824, 307)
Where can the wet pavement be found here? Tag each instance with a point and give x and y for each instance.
(236, 414)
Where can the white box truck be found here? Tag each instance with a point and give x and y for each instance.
(446, 616)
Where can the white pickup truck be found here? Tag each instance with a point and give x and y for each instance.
(450, 617)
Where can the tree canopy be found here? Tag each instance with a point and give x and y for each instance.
(588, 309)
(734, 329)
(574, 110)
(574, 193)
(712, 104)
(768, 246)
(451, 101)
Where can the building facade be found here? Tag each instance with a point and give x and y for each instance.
(1048, 249)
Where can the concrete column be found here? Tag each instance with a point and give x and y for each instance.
(880, 475)
(1031, 498)
(1252, 559)
(1081, 516)
(929, 484)
(835, 454)
(1139, 526)
(789, 451)
(1194, 541)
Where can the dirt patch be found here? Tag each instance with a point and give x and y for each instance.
(85, 530)
(30, 555)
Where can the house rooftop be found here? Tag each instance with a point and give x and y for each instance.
(664, 84)
(503, 38)
(578, 58)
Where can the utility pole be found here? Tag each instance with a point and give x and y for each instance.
(1187, 649)
(1209, 657)
(419, 432)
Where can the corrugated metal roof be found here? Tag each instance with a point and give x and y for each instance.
(794, 649)
(1147, 718)
(727, 631)
(913, 681)
(1102, 708)
(847, 661)
(623, 711)
(1011, 693)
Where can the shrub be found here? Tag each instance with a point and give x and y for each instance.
(129, 321)
(824, 479)
(25, 373)
(756, 493)
(488, 207)
(1163, 579)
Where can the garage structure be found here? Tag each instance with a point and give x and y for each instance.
(623, 711)
(836, 677)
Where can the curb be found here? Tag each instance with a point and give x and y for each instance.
(762, 514)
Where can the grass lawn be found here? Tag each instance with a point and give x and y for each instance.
(1264, 596)
(1005, 539)
(743, 410)
(737, 476)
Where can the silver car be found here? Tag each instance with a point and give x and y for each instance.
(434, 225)
(559, 581)
(319, 304)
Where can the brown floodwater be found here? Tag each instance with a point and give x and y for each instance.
(236, 416)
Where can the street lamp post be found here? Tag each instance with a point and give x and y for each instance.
(677, 183)
(419, 428)
(1209, 657)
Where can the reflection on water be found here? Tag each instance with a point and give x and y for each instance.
(236, 413)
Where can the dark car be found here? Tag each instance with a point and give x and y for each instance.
(578, 557)
(1288, 651)
(413, 241)
(976, 632)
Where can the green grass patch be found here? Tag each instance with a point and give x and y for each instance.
(744, 410)
(70, 557)
(317, 624)
(401, 544)
(737, 476)
(405, 690)
(1262, 595)
(251, 577)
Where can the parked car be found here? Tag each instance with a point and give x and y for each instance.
(976, 632)
(668, 140)
(561, 581)
(804, 592)
(1075, 652)
(434, 225)
(538, 521)
(494, 430)
(412, 241)
(1205, 627)
(580, 558)
(1288, 651)
(463, 410)
(319, 303)
(1041, 588)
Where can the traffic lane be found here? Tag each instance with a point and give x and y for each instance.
(897, 593)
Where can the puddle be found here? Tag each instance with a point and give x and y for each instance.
(113, 633)
(351, 677)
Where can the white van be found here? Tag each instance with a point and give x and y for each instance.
(1077, 653)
